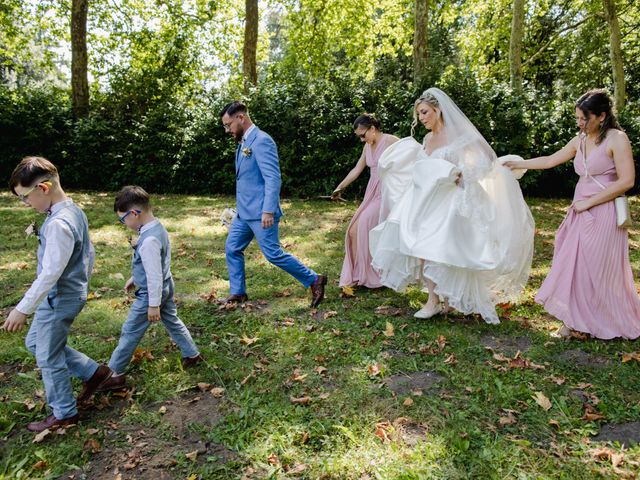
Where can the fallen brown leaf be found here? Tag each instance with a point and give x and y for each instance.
(248, 341)
(383, 429)
(451, 360)
(192, 455)
(297, 468)
(298, 376)
(210, 297)
(40, 436)
(217, 392)
(141, 354)
(617, 459)
(91, 445)
(388, 311)
(389, 330)
(627, 357)
(591, 416)
(557, 380)
(507, 419)
(542, 400)
(301, 400)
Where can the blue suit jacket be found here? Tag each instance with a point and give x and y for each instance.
(257, 177)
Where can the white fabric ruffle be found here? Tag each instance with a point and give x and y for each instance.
(473, 240)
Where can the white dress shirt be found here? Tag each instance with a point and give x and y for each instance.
(150, 254)
(56, 255)
(246, 133)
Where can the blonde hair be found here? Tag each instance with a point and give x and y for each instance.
(428, 98)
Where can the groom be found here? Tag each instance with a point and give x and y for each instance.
(258, 204)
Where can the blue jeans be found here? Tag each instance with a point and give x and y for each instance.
(137, 323)
(47, 340)
(241, 234)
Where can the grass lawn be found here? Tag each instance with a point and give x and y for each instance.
(358, 389)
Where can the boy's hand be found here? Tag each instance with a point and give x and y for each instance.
(15, 321)
(129, 284)
(153, 313)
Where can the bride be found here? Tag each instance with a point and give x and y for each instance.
(452, 216)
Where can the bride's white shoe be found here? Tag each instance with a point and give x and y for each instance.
(429, 311)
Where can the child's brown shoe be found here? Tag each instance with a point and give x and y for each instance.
(188, 362)
(91, 386)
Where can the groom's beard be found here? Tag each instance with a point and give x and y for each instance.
(238, 135)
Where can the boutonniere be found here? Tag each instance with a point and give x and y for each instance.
(133, 241)
(246, 151)
(32, 229)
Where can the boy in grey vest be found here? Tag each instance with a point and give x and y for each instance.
(151, 274)
(65, 261)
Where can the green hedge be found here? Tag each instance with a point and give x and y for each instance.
(173, 142)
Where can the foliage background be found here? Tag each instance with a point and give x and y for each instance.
(161, 72)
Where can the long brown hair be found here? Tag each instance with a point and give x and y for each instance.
(597, 101)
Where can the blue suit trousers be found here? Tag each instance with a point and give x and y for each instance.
(241, 234)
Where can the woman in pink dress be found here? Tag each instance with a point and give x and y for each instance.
(356, 268)
(590, 286)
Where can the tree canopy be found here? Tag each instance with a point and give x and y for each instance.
(159, 71)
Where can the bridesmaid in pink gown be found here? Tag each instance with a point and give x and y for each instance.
(590, 286)
(356, 268)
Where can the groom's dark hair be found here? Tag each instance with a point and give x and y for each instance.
(232, 108)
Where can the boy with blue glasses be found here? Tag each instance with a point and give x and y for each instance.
(151, 274)
(58, 294)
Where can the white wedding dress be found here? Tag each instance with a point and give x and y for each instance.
(473, 240)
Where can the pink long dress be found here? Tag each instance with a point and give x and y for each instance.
(590, 286)
(356, 268)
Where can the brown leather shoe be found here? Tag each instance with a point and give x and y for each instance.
(91, 386)
(317, 290)
(52, 422)
(113, 383)
(236, 298)
(188, 362)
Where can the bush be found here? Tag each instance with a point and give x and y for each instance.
(173, 141)
(33, 121)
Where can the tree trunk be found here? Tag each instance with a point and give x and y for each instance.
(79, 75)
(249, 52)
(515, 45)
(615, 52)
(420, 47)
